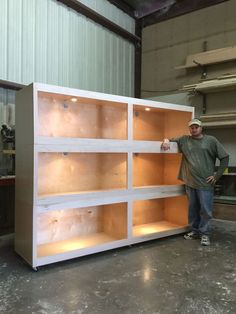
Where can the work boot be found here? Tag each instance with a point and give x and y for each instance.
(191, 235)
(205, 240)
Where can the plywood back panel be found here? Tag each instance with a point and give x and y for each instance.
(176, 123)
(65, 224)
(147, 169)
(148, 125)
(176, 210)
(77, 172)
(115, 220)
(113, 167)
(85, 118)
(171, 168)
(113, 122)
(148, 211)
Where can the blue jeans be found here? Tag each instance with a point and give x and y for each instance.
(200, 209)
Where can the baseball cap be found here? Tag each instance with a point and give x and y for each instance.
(195, 121)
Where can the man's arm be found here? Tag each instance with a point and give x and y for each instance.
(223, 165)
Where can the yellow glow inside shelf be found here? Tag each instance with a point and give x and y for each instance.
(145, 229)
(73, 244)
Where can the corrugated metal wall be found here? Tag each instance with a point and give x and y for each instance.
(45, 41)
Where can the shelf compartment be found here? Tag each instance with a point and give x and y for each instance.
(158, 123)
(71, 173)
(155, 169)
(159, 215)
(80, 228)
(83, 118)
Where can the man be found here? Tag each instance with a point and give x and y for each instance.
(199, 154)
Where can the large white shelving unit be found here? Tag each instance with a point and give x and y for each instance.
(90, 174)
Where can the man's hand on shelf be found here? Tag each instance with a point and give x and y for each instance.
(165, 145)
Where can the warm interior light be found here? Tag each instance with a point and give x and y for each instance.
(148, 229)
(73, 99)
(147, 109)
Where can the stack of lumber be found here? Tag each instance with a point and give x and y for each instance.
(226, 119)
(209, 57)
(224, 82)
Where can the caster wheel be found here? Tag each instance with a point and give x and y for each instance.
(35, 268)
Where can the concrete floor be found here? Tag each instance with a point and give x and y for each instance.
(169, 275)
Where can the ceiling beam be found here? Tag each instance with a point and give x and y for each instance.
(124, 7)
(178, 8)
(150, 7)
(101, 20)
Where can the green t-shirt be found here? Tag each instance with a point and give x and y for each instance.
(198, 160)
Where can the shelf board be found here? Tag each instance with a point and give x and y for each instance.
(73, 145)
(93, 198)
(96, 193)
(73, 244)
(219, 120)
(160, 226)
(215, 85)
(209, 57)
